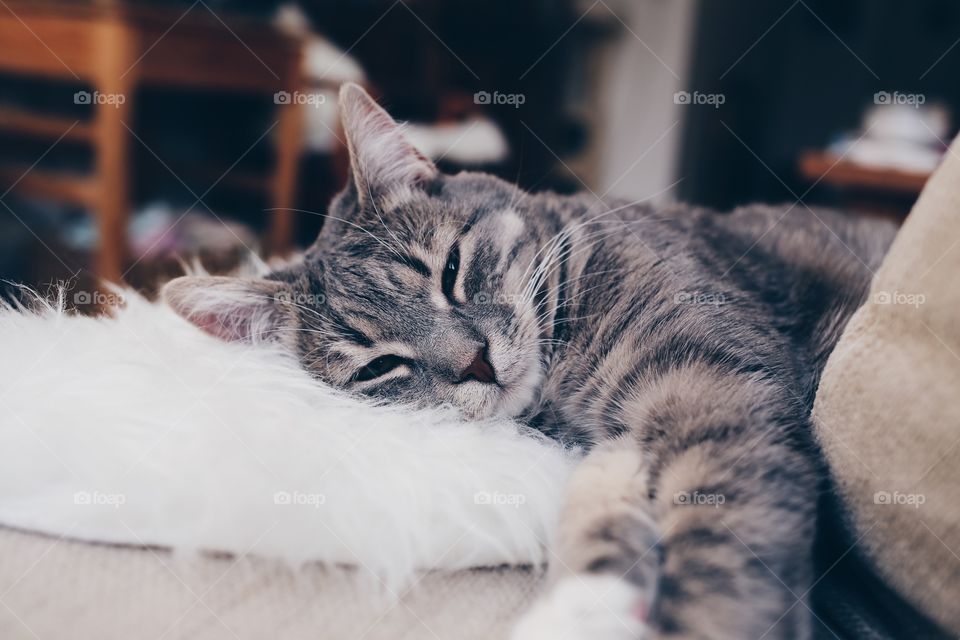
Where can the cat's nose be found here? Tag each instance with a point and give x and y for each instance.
(479, 369)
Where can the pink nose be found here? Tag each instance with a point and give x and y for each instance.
(480, 369)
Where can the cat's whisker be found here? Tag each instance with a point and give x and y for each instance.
(555, 242)
(316, 314)
(543, 317)
(549, 246)
(570, 300)
(546, 270)
(280, 330)
(373, 202)
(591, 240)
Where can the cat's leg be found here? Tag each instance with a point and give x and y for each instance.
(604, 564)
(696, 523)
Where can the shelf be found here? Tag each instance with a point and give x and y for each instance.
(815, 165)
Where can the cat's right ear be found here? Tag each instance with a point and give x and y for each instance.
(232, 309)
(382, 160)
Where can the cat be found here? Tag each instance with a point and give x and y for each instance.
(681, 347)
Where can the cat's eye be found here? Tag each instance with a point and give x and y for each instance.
(379, 367)
(450, 271)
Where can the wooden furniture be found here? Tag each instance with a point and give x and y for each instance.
(887, 193)
(113, 49)
(814, 164)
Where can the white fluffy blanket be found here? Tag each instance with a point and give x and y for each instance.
(140, 429)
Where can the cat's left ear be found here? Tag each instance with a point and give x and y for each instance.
(381, 159)
(233, 309)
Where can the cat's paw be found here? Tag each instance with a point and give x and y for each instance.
(601, 607)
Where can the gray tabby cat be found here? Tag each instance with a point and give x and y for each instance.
(683, 347)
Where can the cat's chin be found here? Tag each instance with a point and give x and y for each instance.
(498, 403)
(511, 397)
(517, 395)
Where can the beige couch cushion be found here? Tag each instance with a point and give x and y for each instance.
(888, 407)
(57, 588)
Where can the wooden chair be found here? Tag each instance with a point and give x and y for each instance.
(114, 49)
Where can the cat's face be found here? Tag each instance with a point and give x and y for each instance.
(428, 306)
(421, 288)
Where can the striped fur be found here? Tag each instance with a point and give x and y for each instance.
(681, 345)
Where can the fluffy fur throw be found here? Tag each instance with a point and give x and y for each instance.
(140, 429)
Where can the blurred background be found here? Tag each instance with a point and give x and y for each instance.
(138, 134)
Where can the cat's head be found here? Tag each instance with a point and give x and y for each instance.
(420, 289)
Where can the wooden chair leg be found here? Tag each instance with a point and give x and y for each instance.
(289, 142)
(112, 159)
(113, 115)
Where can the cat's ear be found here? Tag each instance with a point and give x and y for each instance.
(232, 309)
(381, 158)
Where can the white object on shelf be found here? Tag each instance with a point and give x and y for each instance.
(323, 61)
(898, 136)
(474, 142)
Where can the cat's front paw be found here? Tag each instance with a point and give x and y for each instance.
(601, 607)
